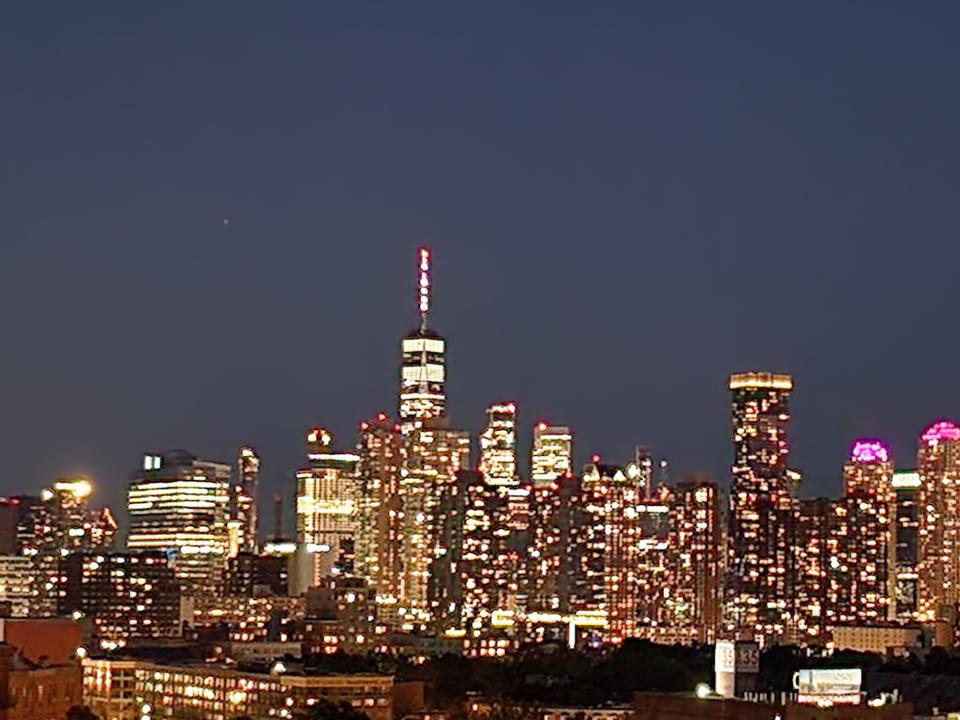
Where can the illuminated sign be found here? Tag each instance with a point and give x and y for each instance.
(828, 686)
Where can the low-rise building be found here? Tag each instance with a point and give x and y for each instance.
(205, 690)
(881, 639)
(109, 688)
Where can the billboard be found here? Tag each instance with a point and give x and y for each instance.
(828, 686)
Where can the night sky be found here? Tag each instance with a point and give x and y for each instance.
(626, 202)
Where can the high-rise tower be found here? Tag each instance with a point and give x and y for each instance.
(938, 461)
(179, 503)
(868, 547)
(423, 368)
(552, 455)
(761, 502)
(243, 502)
(379, 510)
(498, 445)
(327, 505)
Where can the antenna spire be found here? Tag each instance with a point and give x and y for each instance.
(423, 285)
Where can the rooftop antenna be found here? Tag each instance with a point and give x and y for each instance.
(423, 286)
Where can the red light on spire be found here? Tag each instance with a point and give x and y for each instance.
(595, 459)
(423, 285)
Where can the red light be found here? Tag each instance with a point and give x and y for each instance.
(541, 426)
(381, 416)
(595, 459)
(364, 425)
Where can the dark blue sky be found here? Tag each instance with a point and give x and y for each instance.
(626, 201)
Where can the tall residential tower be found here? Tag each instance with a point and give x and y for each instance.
(761, 504)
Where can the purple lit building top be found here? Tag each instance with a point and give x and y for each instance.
(940, 431)
(869, 451)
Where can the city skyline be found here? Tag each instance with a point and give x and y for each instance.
(204, 204)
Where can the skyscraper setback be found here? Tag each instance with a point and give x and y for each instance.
(761, 503)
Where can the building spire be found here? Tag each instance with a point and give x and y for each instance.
(423, 285)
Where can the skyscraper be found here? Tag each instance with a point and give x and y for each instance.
(498, 445)
(938, 461)
(327, 505)
(816, 565)
(511, 521)
(761, 505)
(433, 455)
(610, 547)
(243, 502)
(423, 368)
(868, 553)
(179, 503)
(695, 561)
(551, 457)
(378, 542)
(906, 485)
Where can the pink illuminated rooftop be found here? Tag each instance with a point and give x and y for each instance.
(867, 451)
(940, 432)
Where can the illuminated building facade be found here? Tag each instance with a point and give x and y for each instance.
(327, 505)
(478, 548)
(379, 537)
(816, 560)
(423, 369)
(696, 552)
(938, 568)
(550, 556)
(610, 547)
(216, 691)
(547, 558)
(761, 505)
(434, 455)
(60, 522)
(906, 486)
(243, 502)
(643, 459)
(498, 465)
(256, 575)
(125, 595)
(341, 615)
(867, 554)
(179, 504)
(19, 585)
(551, 457)
(498, 445)
(655, 564)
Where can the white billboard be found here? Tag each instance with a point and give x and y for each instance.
(836, 686)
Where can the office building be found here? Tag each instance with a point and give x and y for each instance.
(179, 504)
(327, 505)
(551, 457)
(423, 368)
